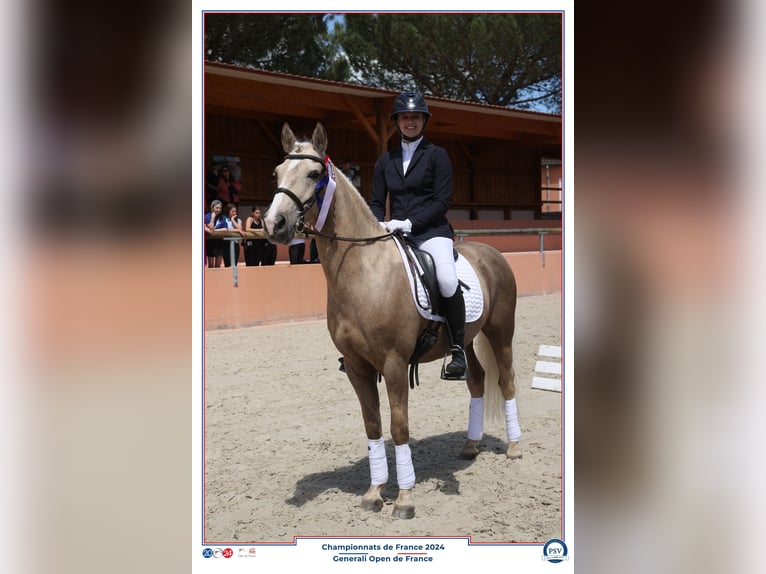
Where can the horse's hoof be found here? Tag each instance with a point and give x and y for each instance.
(405, 512)
(514, 450)
(403, 507)
(373, 499)
(470, 450)
(373, 505)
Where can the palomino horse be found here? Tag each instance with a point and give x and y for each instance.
(371, 314)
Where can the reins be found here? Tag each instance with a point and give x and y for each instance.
(303, 207)
(333, 237)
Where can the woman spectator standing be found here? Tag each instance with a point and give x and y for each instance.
(297, 250)
(214, 219)
(211, 183)
(228, 187)
(255, 249)
(233, 223)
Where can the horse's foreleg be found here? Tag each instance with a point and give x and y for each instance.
(400, 432)
(376, 454)
(405, 475)
(363, 379)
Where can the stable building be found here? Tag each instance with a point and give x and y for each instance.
(501, 158)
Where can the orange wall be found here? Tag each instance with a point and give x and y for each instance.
(283, 293)
(503, 243)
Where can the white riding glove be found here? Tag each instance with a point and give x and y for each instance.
(399, 225)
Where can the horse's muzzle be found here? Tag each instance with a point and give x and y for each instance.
(277, 229)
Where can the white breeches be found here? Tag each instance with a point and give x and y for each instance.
(441, 249)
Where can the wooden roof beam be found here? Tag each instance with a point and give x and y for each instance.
(360, 116)
(466, 151)
(271, 137)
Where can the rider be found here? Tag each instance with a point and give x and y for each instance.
(417, 177)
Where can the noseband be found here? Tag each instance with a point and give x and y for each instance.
(304, 206)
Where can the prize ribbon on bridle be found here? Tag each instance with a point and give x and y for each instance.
(324, 203)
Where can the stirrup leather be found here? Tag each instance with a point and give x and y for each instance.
(455, 376)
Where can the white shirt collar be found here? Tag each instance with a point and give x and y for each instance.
(408, 150)
(410, 147)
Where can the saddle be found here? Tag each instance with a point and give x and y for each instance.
(424, 270)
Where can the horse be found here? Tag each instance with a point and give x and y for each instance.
(371, 314)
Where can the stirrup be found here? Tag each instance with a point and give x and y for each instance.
(455, 376)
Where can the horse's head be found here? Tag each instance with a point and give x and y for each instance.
(297, 179)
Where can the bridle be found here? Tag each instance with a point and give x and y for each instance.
(304, 206)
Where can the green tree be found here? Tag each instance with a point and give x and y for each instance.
(500, 59)
(292, 43)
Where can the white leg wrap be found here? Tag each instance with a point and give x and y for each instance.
(376, 451)
(512, 428)
(405, 472)
(476, 419)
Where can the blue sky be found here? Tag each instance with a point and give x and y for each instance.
(332, 19)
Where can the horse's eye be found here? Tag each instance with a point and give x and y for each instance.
(314, 175)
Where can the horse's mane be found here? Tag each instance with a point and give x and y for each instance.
(340, 178)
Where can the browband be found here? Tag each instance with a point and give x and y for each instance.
(315, 158)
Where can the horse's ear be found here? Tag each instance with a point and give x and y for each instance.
(319, 139)
(288, 138)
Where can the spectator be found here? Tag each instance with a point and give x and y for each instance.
(313, 252)
(214, 220)
(255, 249)
(233, 223)
(297, 250)
(228, 187)
(269, 253)
(211, 183)
(352, 173)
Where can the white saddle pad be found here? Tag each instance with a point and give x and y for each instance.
(474, 298)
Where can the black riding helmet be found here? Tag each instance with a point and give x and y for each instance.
(410, 102)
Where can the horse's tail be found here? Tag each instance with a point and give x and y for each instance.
(494, 409)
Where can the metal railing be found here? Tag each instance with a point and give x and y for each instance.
(234, 238)
(540, 231)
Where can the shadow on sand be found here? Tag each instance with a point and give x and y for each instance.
(435, 458)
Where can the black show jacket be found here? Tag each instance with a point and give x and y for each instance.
(422, 195)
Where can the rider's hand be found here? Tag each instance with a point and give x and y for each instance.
(398, 225)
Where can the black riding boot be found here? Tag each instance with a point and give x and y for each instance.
(454, 312)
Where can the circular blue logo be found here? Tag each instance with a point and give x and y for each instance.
(555, 551)
(207, 552)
